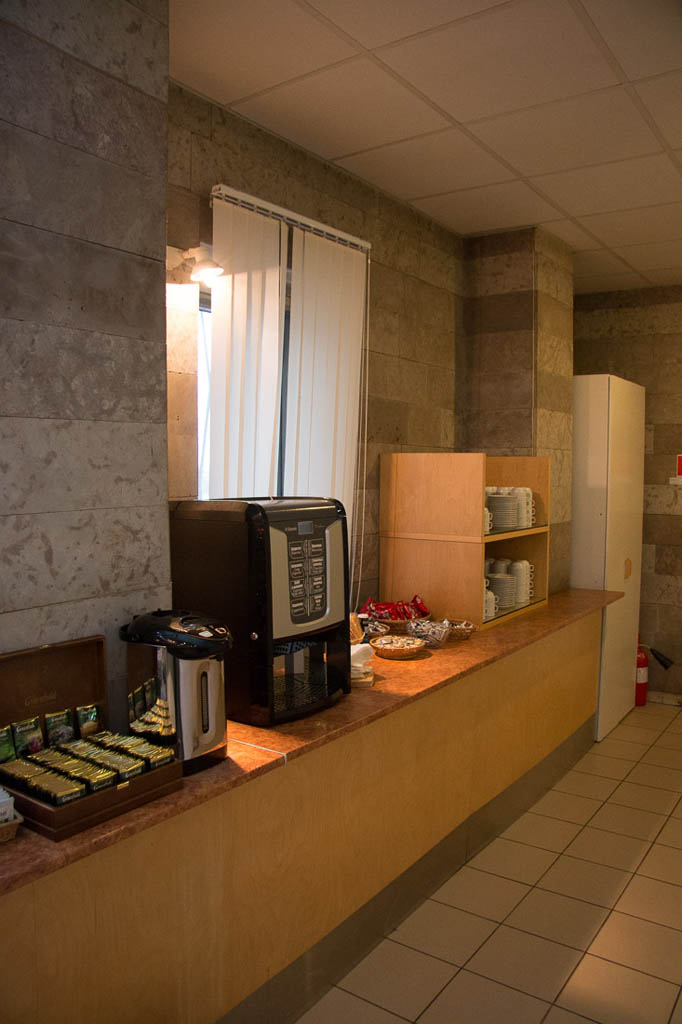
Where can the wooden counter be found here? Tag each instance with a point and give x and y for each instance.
(179, 909)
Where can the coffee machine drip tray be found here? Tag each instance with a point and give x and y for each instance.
(299, 677)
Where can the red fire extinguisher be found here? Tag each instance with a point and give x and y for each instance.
(642, 683)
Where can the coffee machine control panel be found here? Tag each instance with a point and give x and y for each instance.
(307, 561)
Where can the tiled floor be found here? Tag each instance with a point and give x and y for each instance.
(573, 914)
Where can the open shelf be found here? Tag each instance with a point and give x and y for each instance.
(517, 609)
(511, 534)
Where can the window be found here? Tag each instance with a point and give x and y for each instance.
(280, 356)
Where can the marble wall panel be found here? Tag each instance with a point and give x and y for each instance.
(54, 279)
(155, 8)
(668, 560)
(663, 589)
(42, 183)
(182, 436)
(367, 504)
(491, 313)
(183, 219)
(400, 379)
(61, 373)
(48, 465)
(554, 430)
(554, 392)
(499, 274)
(521, 241)
(384, 329)
(667, 437)
(648, 558)
(503, 352)
(73, 556)
(658, 468)
(180, 158)
(69, 620)
(659, 529)
(70, 102)
(186, 110)
(555, 279)
(112, 35)
(663, 500)
(559, 557)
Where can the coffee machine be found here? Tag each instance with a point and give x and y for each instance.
(189, 705)
(277, 570)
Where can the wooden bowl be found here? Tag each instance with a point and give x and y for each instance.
(382, 650)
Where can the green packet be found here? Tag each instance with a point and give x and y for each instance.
(59, 727)
(89, 720)
(28, 736)
(7, 751)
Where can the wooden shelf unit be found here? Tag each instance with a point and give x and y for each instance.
(431, 529)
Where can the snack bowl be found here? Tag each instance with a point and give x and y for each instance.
(460, 629)
(401, 625)
(434, 634)
(397, 648)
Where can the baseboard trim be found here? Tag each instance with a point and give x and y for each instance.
(286, 996)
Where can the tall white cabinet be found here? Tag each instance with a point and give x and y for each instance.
(608, 495)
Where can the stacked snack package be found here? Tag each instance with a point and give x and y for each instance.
(400, 610)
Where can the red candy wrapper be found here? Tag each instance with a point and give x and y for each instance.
(402, 610)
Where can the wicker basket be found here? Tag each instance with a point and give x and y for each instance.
(396, 653)
(461, 630)
(399, 626)
(8, 829)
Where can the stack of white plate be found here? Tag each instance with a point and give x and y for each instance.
(505, 510)
(503, 586)
(522, 572)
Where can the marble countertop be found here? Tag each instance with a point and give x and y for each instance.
(253, 751)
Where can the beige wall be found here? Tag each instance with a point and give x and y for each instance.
(415, 272)
(83, 517)
(638, 335)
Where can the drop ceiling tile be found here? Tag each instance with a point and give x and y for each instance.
(663, 97)
(634, 227)
(430, 164)
(222, 49)
(645, 36)
(608, 282)
(653, 256)
(669, 276)
(647, 180)
(495, 207)
(597, 261)
(569, 232)
(576, 132)
(472, 68)
(342, 110)
(384, 21)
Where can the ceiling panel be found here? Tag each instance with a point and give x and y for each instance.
(222, 48)
(644, 35)
(472, 68)
(598, 261)
(428, 165)
(571, 234)
(663, 97)
(634, 227)
(616, 186)
(609, 282)
(513, 204)
(382, 21)
(666, 277)
(653, 255)
(344, 109)
(570, 133)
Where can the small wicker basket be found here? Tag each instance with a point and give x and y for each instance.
(396, 653)
(8, 829)
(461, 630)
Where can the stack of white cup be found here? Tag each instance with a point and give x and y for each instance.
(525, 506)
(491, 603)
(523, 572)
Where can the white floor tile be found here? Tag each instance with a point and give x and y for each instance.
(626, 749)
(663, 758)
(594, 883)
(671, 834)
(612, 994)
(480, 893)
(445, 932)
(653, 900)
(669, 741)
(609, 848)
(339, 1007)
(566, 807)
(470, 999)
(526, 962)
(661, 778)
(397, 979)
(557, 917)
(631, 734)
(662, 862)
(628, 821)
(513, 860)
(607, 767)
(582, 784)
(559, 1016)
(646, 798)
(538, 830)
(642, 945)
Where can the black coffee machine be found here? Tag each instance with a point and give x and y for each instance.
(276, 569)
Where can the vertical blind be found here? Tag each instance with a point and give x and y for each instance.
(284, 388)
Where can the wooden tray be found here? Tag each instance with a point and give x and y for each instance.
(59, 823)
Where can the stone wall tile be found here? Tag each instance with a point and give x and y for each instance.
(179, 157)
(665, 378)
(561, 535)
(554, 430)
(339, 215)
(424, 425)
(429, 305)
(553, 317)
(554, 392)
(182, 218)
(51, 465)
(561, 485)
(589, 357)
(387, 421)
(659, 468)
(554, 249)
(496, 313)
(440, 387)
(366, 512)
(367, 558)
(384, 329)
(648, 620)
(669, 561)
(667, 437)
(661, 529)
(419, 340)
(155, 8)
(182, 436)
(499, 274)
(505, 391)
(387, 288)
(73, 556)
(649, 436)
(518, 241)
(400, 379)
(72, 103)
(187, 110)
(663, 499)
(649, 558)
(662, 590)
(367, 588)
(207, 166)
(629, 321)
(559, 574)
(504, 429)
(71, 283)
(372, 462)
(438, 268)
(663, 408)
(504, 351)
(60, 373)
(554, 279)
(70, 620)
(554, 354)
(42, 184)
(112, 35)
(182, 328)
(668, 347)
